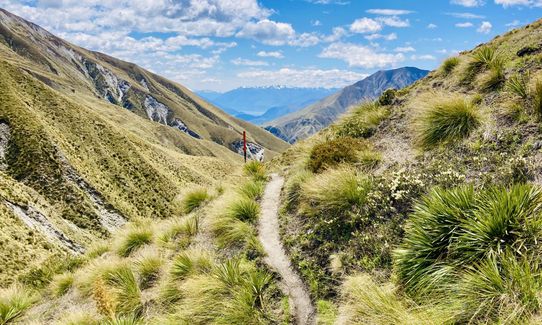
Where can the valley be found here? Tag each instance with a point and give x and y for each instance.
(408, 197)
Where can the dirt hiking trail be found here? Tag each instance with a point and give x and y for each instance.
(276, 258)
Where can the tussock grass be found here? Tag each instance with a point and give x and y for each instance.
(449, 65)
(484, 58)
(517, 85)
(148, 267)
(62, 283)
(177, 227)
(294, 187)
(124, 286)
(256, 170)
(194, 199)
(361, 122)
(133, 239)
(448, 120)
(366, 302)
(334, 192)
(191, 262)
(97, 250)
(481, 249)
(80, 318)
(14, 301)
(244, 209)
(231, 232)
(124, 320)
(494, 77)
(252, 190)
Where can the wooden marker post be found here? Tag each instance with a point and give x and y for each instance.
(245, 144)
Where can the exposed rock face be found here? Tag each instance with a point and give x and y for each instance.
(5, 134)
(254, 150)
(36, 220)
(109, 218)
(182, 127)
(156, 111)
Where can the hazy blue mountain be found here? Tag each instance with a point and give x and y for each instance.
(262, 104)
(311, 119)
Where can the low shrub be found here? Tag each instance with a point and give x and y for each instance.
(14, 301)
(449, 65)
(333, 152)
(194, 200)
(387, 97)
(446, 121)
(134, 238)
(361, 122)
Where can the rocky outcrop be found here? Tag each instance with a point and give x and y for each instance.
(178, 124)
(254, 150)
(156, 111)
(5, 133)
(36, 220)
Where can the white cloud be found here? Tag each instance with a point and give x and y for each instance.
(250, 63)
(394, 21)
(510, 3)
(389, 12)
(389, 37)
(465, 15)
(305, 40)
(360, 56)
(272, 54)
(333, 78)
(316, 23)
(514, 23)
(425, 57)
(268, 32)
(365, 25)
(405, 49)
(338, 33)
(468, 3)
(485, 27)
(464, 25)
(432, 26)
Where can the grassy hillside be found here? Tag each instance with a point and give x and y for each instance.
(424, 207)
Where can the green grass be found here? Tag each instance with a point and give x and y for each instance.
(446, 121)
(449, 65)
(482, 59)
(80, 318)
(361, 122)
(191, 262)
(494, 77)
(252, 190)
(133, 239)
(14, 301)
(176, 228)
(124, 320)
(124, 285)
(229, 232)
(479, 250)
(244, 209)
(517, 85)
(194, 199)
(294, 186)
(62, 283)
(149, 267)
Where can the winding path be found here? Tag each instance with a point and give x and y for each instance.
(276, 258)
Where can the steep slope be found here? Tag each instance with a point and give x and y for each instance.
(317, 116)
(81, 74)
(89, 142)
(262, 104)
(425, 208)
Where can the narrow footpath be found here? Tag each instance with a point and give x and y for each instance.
(277, 259)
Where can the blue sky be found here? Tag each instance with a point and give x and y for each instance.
(224, 44)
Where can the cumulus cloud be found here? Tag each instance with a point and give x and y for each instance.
(365, 25)
(510, 3)
(394, 21)
(268, 32)
(272, 54)
(388, 37)
(485, 27)
(360, 56)
(468, 3)
(333, 78)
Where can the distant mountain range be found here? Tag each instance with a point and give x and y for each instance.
(309, 120)
(262, 104)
